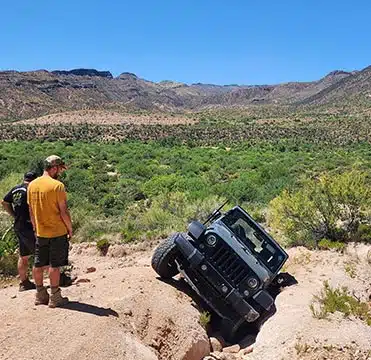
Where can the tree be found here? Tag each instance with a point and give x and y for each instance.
(331, 207)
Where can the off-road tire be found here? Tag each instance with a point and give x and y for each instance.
(163, 258)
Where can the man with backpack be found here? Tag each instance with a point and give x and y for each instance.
(15, 204)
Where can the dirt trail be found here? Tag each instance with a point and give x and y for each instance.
(122, 311)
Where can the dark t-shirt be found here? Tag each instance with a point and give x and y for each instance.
(18, 198)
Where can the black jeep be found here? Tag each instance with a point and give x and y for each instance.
(229, 261)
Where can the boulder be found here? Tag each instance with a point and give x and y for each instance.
(215, 344)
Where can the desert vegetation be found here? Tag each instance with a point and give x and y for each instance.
(339, 299)
(306, 175)
(149, 189)
(211, 129)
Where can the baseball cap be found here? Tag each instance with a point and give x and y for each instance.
(29, 176)
(54, 160)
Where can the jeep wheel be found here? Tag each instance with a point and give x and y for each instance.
(163, 258)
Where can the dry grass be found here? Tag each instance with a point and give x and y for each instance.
(325, 351)
(351, 269)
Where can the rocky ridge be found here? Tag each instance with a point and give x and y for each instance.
(30, 94)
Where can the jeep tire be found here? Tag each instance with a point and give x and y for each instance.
(163, 259)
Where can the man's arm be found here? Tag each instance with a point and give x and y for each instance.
(32, 217)
(8, 208)
(65, 215)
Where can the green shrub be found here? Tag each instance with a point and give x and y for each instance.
(37, 165)
(351, 269)
(148, 173)
(364, 233)
(326, 244)
(102, 246)
(331, 207)
(256, 211)
(204, 319)
(8, 242)
(339, 299)
(95, 227)
(165, 214)
(8, 264)
(9, 182)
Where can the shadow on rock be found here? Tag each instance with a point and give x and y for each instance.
(90, 309)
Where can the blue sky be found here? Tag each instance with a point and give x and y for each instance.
(210, 41)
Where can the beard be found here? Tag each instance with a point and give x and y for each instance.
(55, 176)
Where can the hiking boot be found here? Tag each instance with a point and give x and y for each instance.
(42, 297)
(26, 285)
(57, 299)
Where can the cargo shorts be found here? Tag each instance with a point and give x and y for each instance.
(51, 251)
(26, 241)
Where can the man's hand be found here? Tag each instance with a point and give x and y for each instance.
(8, 208)
(65, 215)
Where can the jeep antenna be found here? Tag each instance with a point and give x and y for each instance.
(215, 212)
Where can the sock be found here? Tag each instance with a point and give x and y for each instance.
(54, 289)
(39, 288)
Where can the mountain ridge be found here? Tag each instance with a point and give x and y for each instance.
(40, 92)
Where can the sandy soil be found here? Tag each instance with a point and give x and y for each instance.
(121, 310)
(103, 117)
(293, 332)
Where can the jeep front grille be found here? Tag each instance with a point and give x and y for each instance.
(229, 264)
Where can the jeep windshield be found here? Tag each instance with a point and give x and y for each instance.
(263, 248)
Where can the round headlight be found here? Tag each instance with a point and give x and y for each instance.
(252, 283)
(211, 240)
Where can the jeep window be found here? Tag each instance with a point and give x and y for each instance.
(256, 241)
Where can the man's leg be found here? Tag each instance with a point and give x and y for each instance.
(58, 257)
(54, 276)
(38, 276)
(26, 241)
(22, 267)
(25, 283)
(41, 262)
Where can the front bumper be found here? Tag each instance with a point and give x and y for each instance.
(210, 284)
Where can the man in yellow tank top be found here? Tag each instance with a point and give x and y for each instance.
(51, 221)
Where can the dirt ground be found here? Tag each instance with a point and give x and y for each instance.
(105, 117)
(120, 310)
(293, 332)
